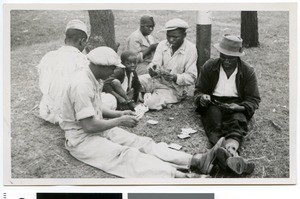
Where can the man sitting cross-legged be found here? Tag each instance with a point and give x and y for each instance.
(172, 69)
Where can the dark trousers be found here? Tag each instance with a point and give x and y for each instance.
(219, 123)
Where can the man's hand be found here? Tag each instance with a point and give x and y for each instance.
(128, 121)
(205, 100)
(152, 72)
(128, 112)
(153, 46)
(168, 76)
(234, 107)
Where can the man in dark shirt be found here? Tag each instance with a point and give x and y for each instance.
(226, 96)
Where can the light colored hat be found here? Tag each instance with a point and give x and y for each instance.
(105, 56)
(77, 24)
(230, 45)
(174, 24)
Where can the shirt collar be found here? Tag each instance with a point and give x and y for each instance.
(70, 48)
(144, 38)
(96, 83)
(217, 66)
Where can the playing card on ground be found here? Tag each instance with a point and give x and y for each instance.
(152, 122)
(175, 146)
(183, 136)
(188, 130)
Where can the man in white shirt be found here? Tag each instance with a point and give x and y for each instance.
(102, 144)
(172, 69)
(57, 67)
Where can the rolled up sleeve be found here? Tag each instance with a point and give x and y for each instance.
(81, 97)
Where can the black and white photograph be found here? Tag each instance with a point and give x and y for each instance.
(149, 94)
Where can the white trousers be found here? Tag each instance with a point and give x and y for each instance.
(125, 154)
(157, 95)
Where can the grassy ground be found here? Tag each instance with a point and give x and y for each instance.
(37, 147)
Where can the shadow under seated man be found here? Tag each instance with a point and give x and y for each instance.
(226, 96)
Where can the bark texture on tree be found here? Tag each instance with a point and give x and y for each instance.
(102, 30)
(249, 29)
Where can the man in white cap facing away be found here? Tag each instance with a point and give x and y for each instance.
(227, 96)
(173, 68)
(57, 67)
(102, 144)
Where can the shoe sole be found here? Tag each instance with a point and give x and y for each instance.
(239, 165)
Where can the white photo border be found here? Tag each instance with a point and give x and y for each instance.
(291, 7)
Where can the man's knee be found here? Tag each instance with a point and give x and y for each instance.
(116, 83)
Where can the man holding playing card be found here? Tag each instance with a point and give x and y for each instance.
(172, 69)
(102, 144)
(227, 96)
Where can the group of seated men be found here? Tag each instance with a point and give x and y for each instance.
(73, 85)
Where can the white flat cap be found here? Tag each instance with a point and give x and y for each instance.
(174, 24)
(77, 24)
(105, 56)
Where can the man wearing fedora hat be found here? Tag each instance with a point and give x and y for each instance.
(102, 144)
(226, 96)
(172, 69)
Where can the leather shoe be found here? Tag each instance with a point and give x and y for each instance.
(222, 155)
(207, 159)
(240, 166)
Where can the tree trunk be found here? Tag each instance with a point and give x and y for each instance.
(249, 29)
(102, 30)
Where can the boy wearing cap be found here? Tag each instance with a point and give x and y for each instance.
(227, 96)
(102, 144)
(124, 84)
(142, 43)
(172, 69)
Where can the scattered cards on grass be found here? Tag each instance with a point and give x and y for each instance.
(185, 133)
(183, 136)
(140, 110)
(152, 122)
(188, 131)
(175, 146)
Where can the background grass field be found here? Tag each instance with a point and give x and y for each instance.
(37, 147)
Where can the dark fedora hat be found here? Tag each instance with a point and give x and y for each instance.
(230, 45)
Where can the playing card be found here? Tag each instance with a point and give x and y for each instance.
(175, 146)
(152, 122)
(140, 110)
(188, 130)
(183, 136)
